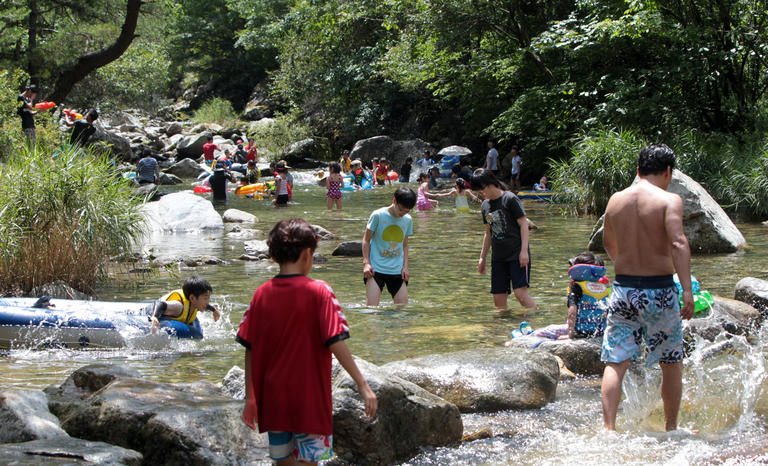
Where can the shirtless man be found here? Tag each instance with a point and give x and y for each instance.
(643, 235)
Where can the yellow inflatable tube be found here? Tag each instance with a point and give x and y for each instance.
(261, 188)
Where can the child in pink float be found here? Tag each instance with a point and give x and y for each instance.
(335, 182)
(422, 196)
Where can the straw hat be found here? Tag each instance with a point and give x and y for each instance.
(285, 164)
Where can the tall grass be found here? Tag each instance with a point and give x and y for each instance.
(216, 110)
(62, 216)
(602, 163)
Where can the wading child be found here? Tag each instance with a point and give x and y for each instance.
(382, 173)
(385, 249)
(461, 192)
(184, 304)
(282, 188)
(293, 325)
(335, 182)
(422, 200)
(506, 234)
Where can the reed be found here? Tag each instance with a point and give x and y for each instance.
(63, 215)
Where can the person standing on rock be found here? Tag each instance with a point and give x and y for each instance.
(643, 235)
(506, 236)
(82, 128)
(208, 150)
(385, 249)
(291, 328)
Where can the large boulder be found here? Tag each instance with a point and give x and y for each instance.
(754, 292)
(384, 146)
(167, 179)
(167, 423)
(181, 212)
(192, 146)
(185, 168)
(349, 248)
(67, 451)
(580, 355)
(24, 416)
(707, 226)
(174, 129)
(117, 146)
(485, 380)
(304, 154)
(408, 418)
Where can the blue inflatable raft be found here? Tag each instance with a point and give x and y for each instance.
(81, 324)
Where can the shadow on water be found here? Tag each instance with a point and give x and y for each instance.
(451, 309)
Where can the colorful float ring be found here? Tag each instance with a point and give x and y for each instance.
(202, 189)
(393, 176)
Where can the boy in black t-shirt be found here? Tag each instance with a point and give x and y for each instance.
(506, 234)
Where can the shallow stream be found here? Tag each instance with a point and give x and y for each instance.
(451, 309)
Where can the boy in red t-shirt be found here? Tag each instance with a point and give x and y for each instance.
(291, 328)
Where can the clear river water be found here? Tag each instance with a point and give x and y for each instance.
(450, 309)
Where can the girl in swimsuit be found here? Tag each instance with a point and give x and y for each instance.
(461, 192)
(422, 197)
(335, 182)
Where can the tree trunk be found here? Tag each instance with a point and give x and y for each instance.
(32, 67)
(91, 61)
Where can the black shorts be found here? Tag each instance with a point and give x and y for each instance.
(502, 273)
(380, 182)
(282, 199)
(393, 282)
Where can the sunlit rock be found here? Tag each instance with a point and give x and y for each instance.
(67, 451)
(181, 212)
(485, 380)
(580, 355)
(754, 292)
(168, 423)
(185, 168)
(24, 416)
(408, 418)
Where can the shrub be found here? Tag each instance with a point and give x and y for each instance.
(275, 137)
(216, 110)
(602, 163)
(63, 215)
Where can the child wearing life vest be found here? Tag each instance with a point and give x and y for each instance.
(290, 330)
(184, 304)
(588, 295)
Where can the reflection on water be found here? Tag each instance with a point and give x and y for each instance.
(451, 309)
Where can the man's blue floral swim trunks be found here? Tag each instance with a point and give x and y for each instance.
(643, 308)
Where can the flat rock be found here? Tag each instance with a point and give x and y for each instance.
(580, 355)
(408, 418)
(256, 248)
(349, 248)
(754, 292)
(322, 233)
(706, 225)
(485, 380)
(67, 451)
(182, 212)
(168, 423)
(185, 168)
(24, 416)
(238, 216)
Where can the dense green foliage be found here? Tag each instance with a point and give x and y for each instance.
(217, 111)
(63, 215)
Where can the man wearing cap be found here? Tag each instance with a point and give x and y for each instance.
(27, 113)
